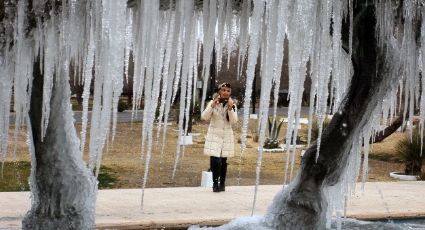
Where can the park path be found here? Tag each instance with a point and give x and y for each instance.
(126, 116)
(183, 206)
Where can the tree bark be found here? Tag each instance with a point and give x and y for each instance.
(7, 15)
(63, 188)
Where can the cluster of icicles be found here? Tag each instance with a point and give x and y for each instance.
(167, 41)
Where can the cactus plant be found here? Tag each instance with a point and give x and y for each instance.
(272, 140)
(409, 150)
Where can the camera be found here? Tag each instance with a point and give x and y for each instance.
(223, 100)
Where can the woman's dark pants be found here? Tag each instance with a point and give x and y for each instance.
(218, 166)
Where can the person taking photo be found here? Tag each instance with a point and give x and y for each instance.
(219, 141)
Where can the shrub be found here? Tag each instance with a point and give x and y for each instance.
(122, 105)
(106, 178)
(315, 128)
(272, 140)
(196, 112)
(410, 153)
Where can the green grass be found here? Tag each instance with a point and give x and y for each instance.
(16, 174)
(78, 107)
(107, 178)
(385, 156)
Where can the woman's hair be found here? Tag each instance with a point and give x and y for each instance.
(225, 84)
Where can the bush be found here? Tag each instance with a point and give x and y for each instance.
(272, 141)
(410, 153)
(315, 128)
(106, 178)
(196, 112)
(122, 105)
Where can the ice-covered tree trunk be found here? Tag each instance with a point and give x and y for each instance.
(303, 205)
(63, 189)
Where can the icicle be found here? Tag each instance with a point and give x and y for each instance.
(221, 19)
(422, 68)
(269, 57)
(109, 74)
(128, 42)
(156, 54)
(253, 49)
(301, 25)
(168, 77)
(23, 54)
(165, 74)
(140, 33)
(87, 76)
(243, 34)
(252, 59)
(5, 97)
(191, 72)
(250, 72)
(196, 60)
(280, 39)
(185, 82)
(152, 57)
(177, 57)
(228, 32)
(321, 66)
(209, 35)
(341, 63)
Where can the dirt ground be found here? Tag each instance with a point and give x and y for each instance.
(123, 159)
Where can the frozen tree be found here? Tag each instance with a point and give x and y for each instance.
(359, 55)
(63, 188)
(383, 40)
(305, 201)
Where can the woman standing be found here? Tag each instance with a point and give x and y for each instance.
(219, 142)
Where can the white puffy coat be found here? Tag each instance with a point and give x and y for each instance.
(219, 141)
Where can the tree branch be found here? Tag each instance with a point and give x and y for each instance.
(392, 128)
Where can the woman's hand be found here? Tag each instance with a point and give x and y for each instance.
(215, 102)
(230, 104)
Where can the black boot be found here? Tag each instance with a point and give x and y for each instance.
(216, 188)
(223, 172)
(215, 169)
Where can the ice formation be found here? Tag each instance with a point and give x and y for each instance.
(168, 40)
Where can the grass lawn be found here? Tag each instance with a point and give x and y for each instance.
(122, 166)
